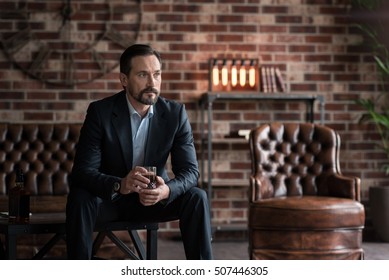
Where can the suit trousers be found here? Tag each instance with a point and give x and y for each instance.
(84, 211)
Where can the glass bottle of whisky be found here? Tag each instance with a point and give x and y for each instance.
(19, 200)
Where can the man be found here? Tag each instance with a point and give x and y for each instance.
(134, 128)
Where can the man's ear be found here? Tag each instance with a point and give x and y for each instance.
(123, 80)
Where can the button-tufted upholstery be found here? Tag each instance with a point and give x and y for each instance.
(45, 152)
(301, 206)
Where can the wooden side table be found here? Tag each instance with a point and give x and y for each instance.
(40, 223)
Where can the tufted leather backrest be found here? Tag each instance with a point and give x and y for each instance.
(45, 152)
(293, 159)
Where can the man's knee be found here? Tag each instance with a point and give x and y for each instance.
(198, 194)
(80, 198)
(197, 198)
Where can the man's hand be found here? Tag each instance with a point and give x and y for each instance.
(152, 196)
(136, 182)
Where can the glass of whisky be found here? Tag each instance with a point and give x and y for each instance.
(151, 174)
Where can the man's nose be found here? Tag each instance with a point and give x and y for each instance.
(150, 81)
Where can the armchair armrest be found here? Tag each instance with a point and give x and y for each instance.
(344, 186)
(260, 188)
(335, 185)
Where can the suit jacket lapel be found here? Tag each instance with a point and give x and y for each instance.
(122, 124)
(156, 135)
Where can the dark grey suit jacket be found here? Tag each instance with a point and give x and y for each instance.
(104, 150)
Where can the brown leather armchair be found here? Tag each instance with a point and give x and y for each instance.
(301, 206)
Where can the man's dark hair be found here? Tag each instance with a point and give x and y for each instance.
(132, 51)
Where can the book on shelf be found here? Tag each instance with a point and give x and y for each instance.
(271, 79)
(264, 79)
(280, 80)
(268, 77)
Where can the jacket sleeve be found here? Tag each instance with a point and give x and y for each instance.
(86, 172)
(183, 159)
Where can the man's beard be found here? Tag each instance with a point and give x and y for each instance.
(146, 100)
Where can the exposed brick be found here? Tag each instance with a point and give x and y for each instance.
(346, 58)
(302, 48)
(166, 76)
(303, 87)
(229, 18)
(183, 47)
(72, 95)
(332, 67)
(347, 77)
(229, 38)
(317, 47)
(27, 106)
(275, 9)
(335, 107)
(38, 116)
(244, 28)
(272, 29)
(273, 48)
(213, 28)
(11, 95)
(287, 116)
(317, 77)
(319, 39)
(60, 106)
(317, 58)
(289, 19)
(245, 9)
(302, 29)
(242, 106)
(186, 8)
(332, 29)
(43, 95)
(170, 18)
(5, 105)
(183, 27)
(257, 116)
(226, 116)
(156, 7)
(362, 87)
(182, 86)
(169, 37)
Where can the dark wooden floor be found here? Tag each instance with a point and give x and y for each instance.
(169, 249)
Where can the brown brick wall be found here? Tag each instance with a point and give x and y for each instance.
(313, 43)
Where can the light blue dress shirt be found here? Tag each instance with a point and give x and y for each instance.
(140, 131)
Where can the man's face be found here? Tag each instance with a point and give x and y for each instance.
(143, 82)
